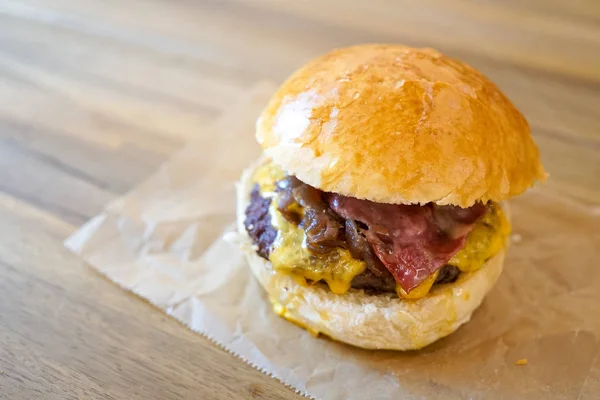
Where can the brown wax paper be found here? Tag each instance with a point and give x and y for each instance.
(165, 242)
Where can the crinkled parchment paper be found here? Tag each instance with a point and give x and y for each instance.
(164, 242)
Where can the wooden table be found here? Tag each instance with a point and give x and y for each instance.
(96, 94)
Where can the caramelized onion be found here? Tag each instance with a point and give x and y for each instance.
(309, 197)
(356, 243)
(289, 182)
(285, 188)
(286, 200)
(360, 249)
(323, 231)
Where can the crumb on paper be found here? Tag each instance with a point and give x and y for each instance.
(256, 390)
(516, 238)
(522, 361)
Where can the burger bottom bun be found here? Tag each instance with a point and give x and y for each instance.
(382, 321)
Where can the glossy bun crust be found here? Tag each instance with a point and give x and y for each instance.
(394, 124)
(382, 321)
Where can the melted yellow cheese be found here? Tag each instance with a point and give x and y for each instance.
(337, 268)
(421, 290)
(486, 239)
(267, 175)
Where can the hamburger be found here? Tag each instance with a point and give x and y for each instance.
(377, 213)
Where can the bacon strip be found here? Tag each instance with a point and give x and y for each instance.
(411, 241)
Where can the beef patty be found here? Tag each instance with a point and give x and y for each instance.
(258, 223)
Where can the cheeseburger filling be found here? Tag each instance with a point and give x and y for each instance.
(345, 242)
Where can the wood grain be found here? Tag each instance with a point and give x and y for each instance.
(96, 94)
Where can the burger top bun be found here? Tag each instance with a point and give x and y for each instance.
(394, 124)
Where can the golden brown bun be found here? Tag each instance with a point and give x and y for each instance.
(393, 124)
(370, 321)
